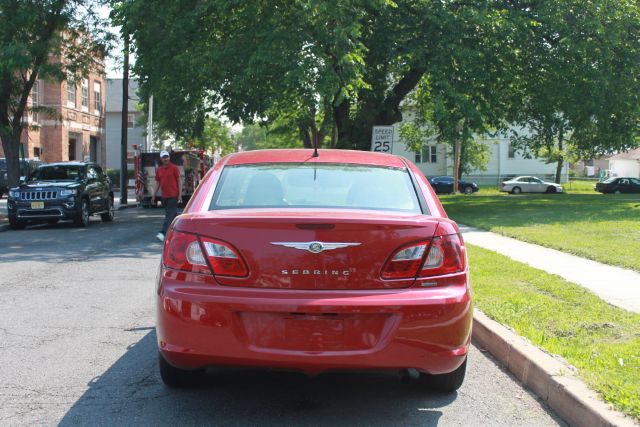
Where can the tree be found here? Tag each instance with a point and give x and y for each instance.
(581, 91)
(216, 137)
(34, 35)
(338, 68)
(330, 68)
(260, 137)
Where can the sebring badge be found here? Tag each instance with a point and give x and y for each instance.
(315, 247)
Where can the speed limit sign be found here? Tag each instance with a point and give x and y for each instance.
(382, 139)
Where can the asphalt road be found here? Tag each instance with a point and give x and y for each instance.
(77, 346)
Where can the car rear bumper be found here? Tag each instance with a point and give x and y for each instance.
(200, 323)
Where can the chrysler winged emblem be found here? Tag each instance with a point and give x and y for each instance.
(315, 247)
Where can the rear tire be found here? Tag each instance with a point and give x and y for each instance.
(16, 224)
(175, 377)
(551, 189)
(467, 190)
(516, 190)
(445, 383)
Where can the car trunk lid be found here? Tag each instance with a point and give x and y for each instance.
(303, 249)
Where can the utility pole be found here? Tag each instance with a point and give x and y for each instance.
(150, 124)
(124, 146)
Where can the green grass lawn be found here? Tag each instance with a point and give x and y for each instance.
(602, 341)
(580, 187)
(604, 228)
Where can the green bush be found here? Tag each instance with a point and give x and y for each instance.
(114, 175)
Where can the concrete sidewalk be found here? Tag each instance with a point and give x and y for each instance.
(616, 285)
(131, 200)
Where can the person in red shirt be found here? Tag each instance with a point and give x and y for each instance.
(168, 178)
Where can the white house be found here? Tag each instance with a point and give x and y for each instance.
(504, 161)
(113, 118)
(626, 164)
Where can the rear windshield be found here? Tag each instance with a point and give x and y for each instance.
(324, 185)
(58, 173)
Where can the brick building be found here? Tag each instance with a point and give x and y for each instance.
(74, 128)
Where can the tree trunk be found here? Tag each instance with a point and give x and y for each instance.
(456, 164)
(334, 135)
(124, 145)
(462, 159)
(306, 138)
(560, 156)
(11, 147)
(355, 132)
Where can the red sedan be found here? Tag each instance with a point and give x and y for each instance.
(341, 261)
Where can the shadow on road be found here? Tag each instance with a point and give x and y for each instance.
(131, 392)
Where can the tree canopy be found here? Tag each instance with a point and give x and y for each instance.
(332, 70)
(580, 86)
(34, 35)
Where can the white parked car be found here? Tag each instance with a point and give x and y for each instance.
(530, 184)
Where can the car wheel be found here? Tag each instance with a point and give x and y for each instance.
(16, 224)
(445, 383)
(516, 190)
(82, 217)
(467, 190)
(108, 216)
(617, 192)
(176, 377)
(551, 189)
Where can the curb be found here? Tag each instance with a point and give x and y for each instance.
(552, 380)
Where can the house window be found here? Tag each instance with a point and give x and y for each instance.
(85, 95)
(131, 121)
(97, 98)
(71, 92)
(36, 152)
(35, 100)
(428, 154)
(512, 152)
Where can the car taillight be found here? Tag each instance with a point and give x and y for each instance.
(184, 251)
(405, 262)
(223, 258)
(446, 256)
(443, 254)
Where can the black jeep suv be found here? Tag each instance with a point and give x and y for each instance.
(71, 190)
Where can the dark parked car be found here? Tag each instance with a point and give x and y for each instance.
(444, 185)
(619, 185)
(58, 191)
(26, 168)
